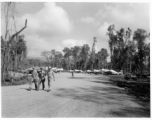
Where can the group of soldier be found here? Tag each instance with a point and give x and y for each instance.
(39, 77)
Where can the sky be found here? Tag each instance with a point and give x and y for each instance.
(55, 25)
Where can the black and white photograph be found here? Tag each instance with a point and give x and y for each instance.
(86, 59)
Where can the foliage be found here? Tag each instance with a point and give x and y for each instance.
(13, 47)
(129, 52)
(78, 56)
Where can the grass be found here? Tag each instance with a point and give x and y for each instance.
(139, 87)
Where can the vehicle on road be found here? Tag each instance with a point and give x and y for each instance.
(55, 70)
(78, 71)
(97, 71)
(89, 71)
(111, 72)
(60, 69)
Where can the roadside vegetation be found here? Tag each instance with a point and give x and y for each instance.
(138, 87)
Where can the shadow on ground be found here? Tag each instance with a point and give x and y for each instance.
(139, 112)
(106, 93)
(28, 89)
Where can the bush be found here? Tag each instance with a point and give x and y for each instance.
(127, 76)
(16, 81)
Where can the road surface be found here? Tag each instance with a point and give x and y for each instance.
(82, 96)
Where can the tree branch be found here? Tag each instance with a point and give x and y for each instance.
(20, 30)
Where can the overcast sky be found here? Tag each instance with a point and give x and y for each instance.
(58, 25)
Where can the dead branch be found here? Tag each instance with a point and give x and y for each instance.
(20, 30)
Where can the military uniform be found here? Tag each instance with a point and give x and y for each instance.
(72, 68)
(42, 79)
(34, 79)
(50, 76)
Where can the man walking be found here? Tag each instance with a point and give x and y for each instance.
(42, 75)
(34, 79)
(72, 68)
(50, 77)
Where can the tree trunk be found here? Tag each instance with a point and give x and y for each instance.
(111, 59)
(85, 64)
(6, 59)
(69, 63)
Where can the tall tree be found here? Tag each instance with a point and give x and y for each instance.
(93, 54)
(8, 15)
(85, 52)
(140, 36)
(102, 57)
(58, 59)
(112, 33)
(47, 55)
(76, 53)
(67, 54)
(53, 56)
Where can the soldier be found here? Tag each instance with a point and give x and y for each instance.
(50, 77)
(72, 68)
(42, 75)
(34, 79)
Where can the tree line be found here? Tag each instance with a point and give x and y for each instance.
(129, 51)
(78, 56)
